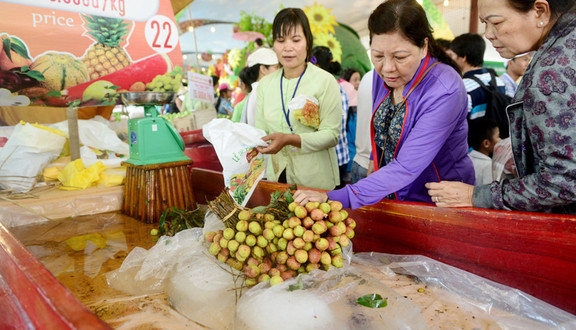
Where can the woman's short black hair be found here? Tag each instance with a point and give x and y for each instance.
(408, 18)
(246, 78)
(287, 20)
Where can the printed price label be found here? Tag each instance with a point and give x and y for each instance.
(200, 87)
(161, 34)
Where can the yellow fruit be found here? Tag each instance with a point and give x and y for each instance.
(98, 90)
(60, 70)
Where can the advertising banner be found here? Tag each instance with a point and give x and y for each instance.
(63, 53)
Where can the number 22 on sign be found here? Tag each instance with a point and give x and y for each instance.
(161, 34)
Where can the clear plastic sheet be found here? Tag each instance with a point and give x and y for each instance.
(421, 292)
(507, 307)
(197, 285)
(51, 204)
(327, 300)
(146, 271)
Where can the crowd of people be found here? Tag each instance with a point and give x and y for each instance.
(420, 126)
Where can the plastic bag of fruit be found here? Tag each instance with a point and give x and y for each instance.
(345, 298)
(235, 144)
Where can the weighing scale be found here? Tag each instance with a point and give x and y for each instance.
(153, 139)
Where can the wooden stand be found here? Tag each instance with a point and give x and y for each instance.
(151, 189)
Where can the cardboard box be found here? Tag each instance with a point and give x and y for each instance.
(194, 120)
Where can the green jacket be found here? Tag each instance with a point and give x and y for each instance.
(315, 164)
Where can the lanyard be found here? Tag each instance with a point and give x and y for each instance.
(287, 114)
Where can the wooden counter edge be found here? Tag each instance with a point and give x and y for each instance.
(47, 303)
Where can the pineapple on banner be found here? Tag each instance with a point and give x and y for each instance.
(81, 53)
(106, 55)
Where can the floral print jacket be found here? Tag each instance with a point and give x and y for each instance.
(542, 131)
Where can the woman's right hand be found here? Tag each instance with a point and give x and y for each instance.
(304, 196)
(277, 141)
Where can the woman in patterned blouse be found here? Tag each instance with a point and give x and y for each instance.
(542, 115)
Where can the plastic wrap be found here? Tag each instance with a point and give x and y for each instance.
(146, 271)
(420, 292)
(325, 300)
(197, 285)
(55, 204)
(503, 161)
(501, 305)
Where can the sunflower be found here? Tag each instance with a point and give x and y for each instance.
(328, 40)
(321, 21)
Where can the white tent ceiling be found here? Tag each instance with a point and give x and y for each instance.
(217, 38)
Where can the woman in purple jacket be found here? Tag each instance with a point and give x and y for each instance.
(419, 127)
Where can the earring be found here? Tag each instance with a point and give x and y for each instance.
(541, 23)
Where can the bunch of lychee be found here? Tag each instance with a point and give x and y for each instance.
(265, 248)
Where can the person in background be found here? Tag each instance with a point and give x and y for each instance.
(542, 120)
(215, 80)
(349, 81)
(258, 43)
(245, 84)
(261, 63)
(223, 105)
(515, 68)
(444, 43)
(322, 57)
(301, 145)
(361, 161)
(468, 52)
(483, 135)
(419, 128)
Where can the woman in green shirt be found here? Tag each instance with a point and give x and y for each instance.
(301, 136)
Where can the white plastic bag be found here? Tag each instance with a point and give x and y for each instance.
(25, 155)
(235, 144)
(503, 161)
(97, 135)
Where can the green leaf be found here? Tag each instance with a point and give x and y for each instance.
(6, 47)
(298, 286)
(35, 75)
(54, 93)
(288, 195)
(259, 209)
(20, 49)
(373, 300)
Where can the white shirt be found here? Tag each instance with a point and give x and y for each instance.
(363, 116)
(482, 167)
(511, 85)
(249, 112)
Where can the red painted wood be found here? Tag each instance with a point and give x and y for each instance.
(533, 252)
(44, 303)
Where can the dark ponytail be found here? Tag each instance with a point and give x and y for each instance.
(324, 60)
